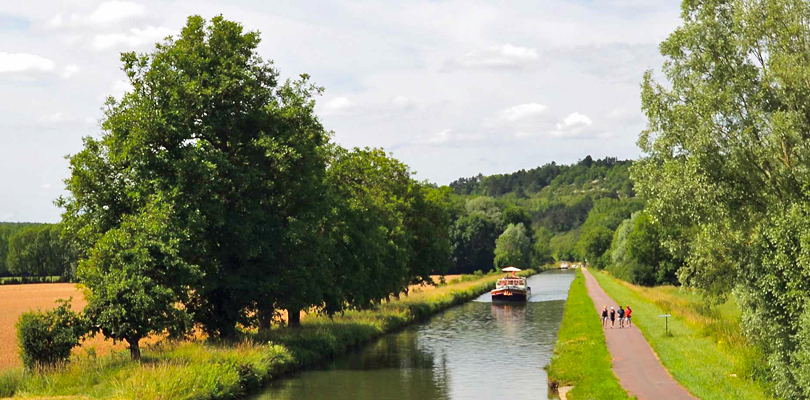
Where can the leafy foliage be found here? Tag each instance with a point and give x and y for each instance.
(513, 248)
(46, 338)
(727, 158)
(136, 280)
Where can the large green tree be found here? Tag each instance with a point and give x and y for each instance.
(135, 279)
(513, 248)
(208, 128)
(473, 243)
(727, 152)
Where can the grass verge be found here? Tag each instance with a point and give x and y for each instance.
(581, 358)
(704, 350)
(203, 371)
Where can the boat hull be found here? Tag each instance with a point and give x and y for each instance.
(511, 295)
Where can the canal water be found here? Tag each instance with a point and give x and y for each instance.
(478, 350)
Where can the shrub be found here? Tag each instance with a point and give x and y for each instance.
(46, 338)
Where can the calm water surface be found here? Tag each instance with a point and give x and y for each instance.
(479, 350)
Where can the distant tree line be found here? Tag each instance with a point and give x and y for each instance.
(522, 183)
(35, 250)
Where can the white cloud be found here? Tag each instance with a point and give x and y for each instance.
(136, 37)
(56, 21)
(447, 136)
(522, 120)
(440, 137)
(403, 103)
(337, 105)
(107, 14)
(575, 120)
(113, 12)
(55, 117)
(45, 186)
(498, 57)
(577, 125)
(522, 112)
(70, 70)
(24, 62)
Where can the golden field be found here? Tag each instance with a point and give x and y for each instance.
(17, 299)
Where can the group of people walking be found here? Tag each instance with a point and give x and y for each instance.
(623, 315)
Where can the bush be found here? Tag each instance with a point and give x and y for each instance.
(46, 339)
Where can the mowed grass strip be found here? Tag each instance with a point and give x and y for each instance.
(581, 358)
(705, 351)
(203, 370)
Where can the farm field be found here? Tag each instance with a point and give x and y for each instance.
(17, 299)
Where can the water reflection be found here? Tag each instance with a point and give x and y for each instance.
(476, 351)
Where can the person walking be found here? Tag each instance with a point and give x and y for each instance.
(604, 316)
(621, 317)
(628, 314)
(612, 317)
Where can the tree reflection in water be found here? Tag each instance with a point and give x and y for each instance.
(478, 350)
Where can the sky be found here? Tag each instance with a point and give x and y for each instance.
(451, 88)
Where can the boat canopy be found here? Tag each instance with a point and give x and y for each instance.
(511, 269)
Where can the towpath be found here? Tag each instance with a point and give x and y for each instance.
(635, 364)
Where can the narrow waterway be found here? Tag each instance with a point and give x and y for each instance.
(479, 350)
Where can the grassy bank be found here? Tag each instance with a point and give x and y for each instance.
(201, 370)
(581, 358)
(705, 352)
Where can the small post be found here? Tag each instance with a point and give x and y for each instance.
(666, 323)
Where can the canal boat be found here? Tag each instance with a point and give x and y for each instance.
(511, 287)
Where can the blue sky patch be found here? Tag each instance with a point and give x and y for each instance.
(12, 23)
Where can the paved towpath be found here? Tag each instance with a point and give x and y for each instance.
(635, 364)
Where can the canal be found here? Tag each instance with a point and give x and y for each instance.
(478, 350)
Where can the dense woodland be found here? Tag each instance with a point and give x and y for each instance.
(35, 250)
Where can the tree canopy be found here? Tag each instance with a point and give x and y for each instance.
(726, 153)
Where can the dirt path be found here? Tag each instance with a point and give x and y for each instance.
(634, 362)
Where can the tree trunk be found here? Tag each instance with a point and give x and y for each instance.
(293, 317)
(265, 320)
(134, 350)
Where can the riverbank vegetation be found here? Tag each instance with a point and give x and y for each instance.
(221, 370)
(581, 358)
(705, 350)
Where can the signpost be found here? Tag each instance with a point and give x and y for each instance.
(666, 322)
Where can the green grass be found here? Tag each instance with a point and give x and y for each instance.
(201, 370)
(705, 350)
(581, 358)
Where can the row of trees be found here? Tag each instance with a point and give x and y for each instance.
(215, 198)
(35, 250)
